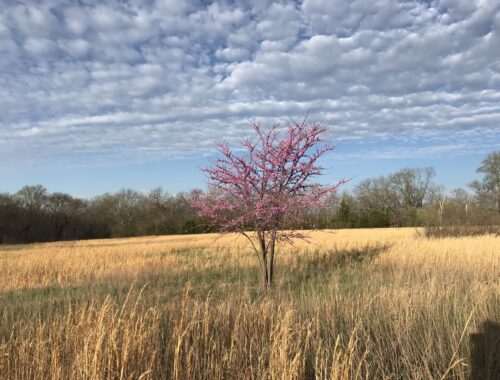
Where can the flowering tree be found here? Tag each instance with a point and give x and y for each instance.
(258, 192)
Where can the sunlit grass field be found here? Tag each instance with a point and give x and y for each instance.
(348, 304)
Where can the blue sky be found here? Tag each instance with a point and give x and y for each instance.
(100, 95)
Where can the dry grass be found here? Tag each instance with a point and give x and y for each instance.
(350, 304)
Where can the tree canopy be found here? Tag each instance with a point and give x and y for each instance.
(268, 185)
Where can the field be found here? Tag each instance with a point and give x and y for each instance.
(379, 303)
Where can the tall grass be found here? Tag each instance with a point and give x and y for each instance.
(461, 230)
(358, 304)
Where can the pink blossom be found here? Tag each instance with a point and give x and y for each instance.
(267, 187)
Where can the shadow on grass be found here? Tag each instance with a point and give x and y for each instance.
(159, 288)
(485, 352)
(337, 258)
(219, 282)
(315, 268)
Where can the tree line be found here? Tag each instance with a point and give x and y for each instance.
(408, 197)
(34, 215)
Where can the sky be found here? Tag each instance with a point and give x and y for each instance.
(96, 96)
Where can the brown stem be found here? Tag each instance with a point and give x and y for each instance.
(270, 261)
(263, 251)
(261, 264)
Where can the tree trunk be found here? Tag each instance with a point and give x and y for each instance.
(267, 255)
(263, 252)
(270, 260)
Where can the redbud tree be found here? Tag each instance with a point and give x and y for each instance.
(265, 186)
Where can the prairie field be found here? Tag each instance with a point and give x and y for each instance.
(347, 304)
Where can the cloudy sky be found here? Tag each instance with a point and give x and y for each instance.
(99, 95)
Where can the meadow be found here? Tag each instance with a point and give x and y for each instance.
(348, 304)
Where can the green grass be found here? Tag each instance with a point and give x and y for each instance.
(302, 280)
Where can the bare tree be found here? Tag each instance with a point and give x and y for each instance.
(488, 190)
(31, 200)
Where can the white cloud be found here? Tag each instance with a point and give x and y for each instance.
(40, 47)
(143, 79)
(77, 48)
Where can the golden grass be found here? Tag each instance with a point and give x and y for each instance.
(373, 303)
